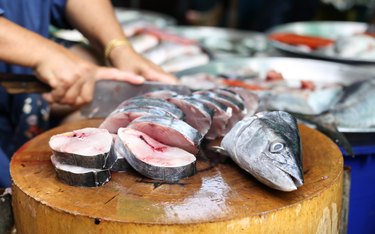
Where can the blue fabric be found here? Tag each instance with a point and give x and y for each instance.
(24, 116)
(4, 170)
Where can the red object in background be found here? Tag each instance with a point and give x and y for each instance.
(306, 84)
(165, 36)
(312, 42)
(238, 83)
(273, 75)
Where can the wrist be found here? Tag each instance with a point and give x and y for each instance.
(116, 47)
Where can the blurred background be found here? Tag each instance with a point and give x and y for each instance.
(256, 15)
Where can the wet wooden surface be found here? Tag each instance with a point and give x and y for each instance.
(220, 197)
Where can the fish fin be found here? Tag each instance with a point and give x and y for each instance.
(325, 123)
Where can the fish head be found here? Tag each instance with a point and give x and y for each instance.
(268, 147)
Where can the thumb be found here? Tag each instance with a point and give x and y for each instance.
(115, 74)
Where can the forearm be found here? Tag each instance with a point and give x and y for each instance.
(96, 20)
(21, 46)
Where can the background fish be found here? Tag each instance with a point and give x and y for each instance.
(357, 107)
(267, 145)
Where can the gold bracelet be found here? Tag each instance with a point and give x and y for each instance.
(113, 44)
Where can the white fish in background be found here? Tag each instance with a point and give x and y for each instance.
(168, 50)
(355, 46)
(143, 42)
(185, 62)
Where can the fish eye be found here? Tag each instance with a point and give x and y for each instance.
(276, 147)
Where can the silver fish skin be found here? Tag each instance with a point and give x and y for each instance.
(197, 114)
(251, 100)
(267, 145)
(169, 131)
(123, 116)
(222, 114)
(356, 108)
(142, 101)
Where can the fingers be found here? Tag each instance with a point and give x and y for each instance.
(115, 74)
(55, 95)
(161, 76)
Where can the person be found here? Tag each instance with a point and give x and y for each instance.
(26, 49)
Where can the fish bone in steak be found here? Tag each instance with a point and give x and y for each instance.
(87, 147)
(169, 131)
(154, 159)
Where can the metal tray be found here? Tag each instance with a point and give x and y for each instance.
(124, 16)
(327, 29)
(222, 43)
(292, 69)
(157, 19)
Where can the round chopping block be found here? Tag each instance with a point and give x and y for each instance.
(219, 198)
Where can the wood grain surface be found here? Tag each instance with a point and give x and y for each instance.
(219, 198)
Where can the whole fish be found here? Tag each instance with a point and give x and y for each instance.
(356, 109)
(267, 145)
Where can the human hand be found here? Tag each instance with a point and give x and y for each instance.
(126, 59)
(73, 79)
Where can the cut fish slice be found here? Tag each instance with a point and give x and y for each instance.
(154, 159)
(142, 101)
(238, 111)
(80, 176)
(87, 147)
(197, 114)
(222, 114)
(117, 162)
(123, 116)
(170, 131)
(162, 94)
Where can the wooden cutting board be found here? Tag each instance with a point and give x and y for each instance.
(220, 198)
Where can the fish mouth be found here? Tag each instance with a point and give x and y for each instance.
(295, 179)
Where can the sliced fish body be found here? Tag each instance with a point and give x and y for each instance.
(161, 94)
(251, 100)
(123, 116)
(170, 131)
(222, 114)
(233, 95)
(267, 145)
(356, 109)
(196, 114)
(142, 101)
(154, 159)
(87, 147)
(237, 108)
(80, 176)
